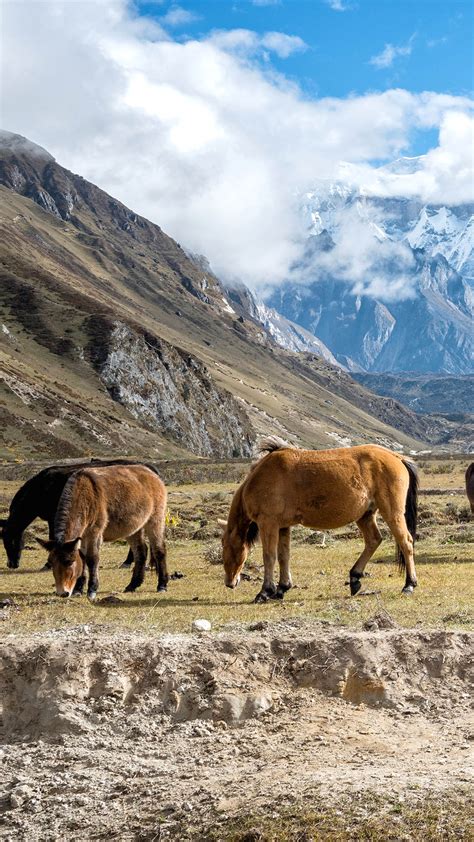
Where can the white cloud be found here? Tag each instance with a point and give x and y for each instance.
(436, 42)
(390, 53)
(246, 41)
(338, 5)
(443, 175)
(266, 2)
(203, 137)
(364, 257)
(177, 16)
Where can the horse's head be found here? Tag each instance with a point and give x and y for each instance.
(67, 563)
(13, 543)
(234, 554)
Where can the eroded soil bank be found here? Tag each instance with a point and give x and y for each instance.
(124, 736)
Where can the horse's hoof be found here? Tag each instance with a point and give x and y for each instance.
(408, 590)
(261, 597)
(355, 586)
(130, 589)
(277, 595)
(77, 593)
(92, 595)
(161, 588)
(126, 564)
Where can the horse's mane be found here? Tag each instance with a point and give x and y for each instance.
(63, 512)
(64, 507)
(268, 444)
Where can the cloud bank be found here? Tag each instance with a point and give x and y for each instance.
(203, 136)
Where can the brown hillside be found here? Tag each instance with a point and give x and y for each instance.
(112, 338)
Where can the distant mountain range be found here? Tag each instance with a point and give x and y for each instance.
(386, 284)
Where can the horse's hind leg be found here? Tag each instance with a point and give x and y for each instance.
(372, 537)
(270, 538)
(284, 583)
(398, 528)
(155, 530)
(139, 550)
(129, 560)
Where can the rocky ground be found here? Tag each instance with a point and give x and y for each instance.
(117, 735)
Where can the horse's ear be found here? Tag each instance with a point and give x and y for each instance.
(70, 546)
(47, 545)
(222, 523)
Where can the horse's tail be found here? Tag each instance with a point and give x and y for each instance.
(411, 507)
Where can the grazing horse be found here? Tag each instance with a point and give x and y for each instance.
(107, 504)
(39, 497)
(470, 485)
(322, 489)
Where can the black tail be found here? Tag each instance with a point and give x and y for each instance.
(411, 508)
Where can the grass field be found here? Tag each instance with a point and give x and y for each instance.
(445, 553)
(347, 770)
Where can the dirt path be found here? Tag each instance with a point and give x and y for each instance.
(133, 737)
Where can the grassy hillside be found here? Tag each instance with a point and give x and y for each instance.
(77, 268)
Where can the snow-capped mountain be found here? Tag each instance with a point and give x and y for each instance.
(387, 284)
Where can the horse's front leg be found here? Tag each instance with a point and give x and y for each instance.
(48, 564)
(80, 581)
(285, 582)
(92, 562)
(269, 535)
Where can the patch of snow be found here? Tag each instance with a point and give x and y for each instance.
(227, 308)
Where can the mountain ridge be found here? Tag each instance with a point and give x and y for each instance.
(113, 340)
(415, 279)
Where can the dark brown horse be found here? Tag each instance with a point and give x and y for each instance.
(39, 498)
(107, 504)
(322, 489)
(470, 485)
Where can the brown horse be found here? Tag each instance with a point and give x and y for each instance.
(322, 489)
(106, 504)
(470, 485)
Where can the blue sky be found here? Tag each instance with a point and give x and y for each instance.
(438, 35)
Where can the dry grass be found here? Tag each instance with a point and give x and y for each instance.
(370, 820)
(445, 558)
(444, 598)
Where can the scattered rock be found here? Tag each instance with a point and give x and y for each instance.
(213, 553)
(381, 620)
(260, 625)
(7, 603)
(20, 795)
(111, 599)
(201, 626)
(318, 538)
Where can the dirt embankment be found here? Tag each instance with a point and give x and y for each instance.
(133, 737)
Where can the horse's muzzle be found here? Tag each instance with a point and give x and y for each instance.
(64, 594)
(233, 584)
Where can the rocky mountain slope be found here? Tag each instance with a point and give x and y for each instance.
(388, 284)
(113, 340)
(424, 393)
